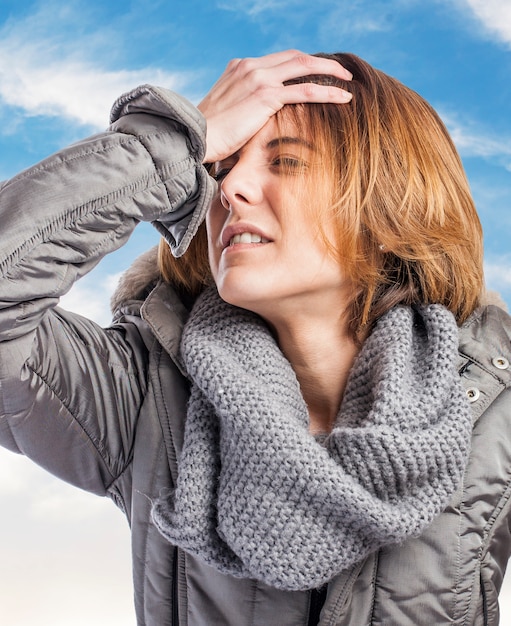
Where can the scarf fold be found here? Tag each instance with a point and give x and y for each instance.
(259, 497)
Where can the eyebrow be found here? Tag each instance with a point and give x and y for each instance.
(275, 143)
(279, 141)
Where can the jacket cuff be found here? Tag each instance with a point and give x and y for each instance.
(179, 226)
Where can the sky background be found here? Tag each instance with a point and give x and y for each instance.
(65, 555)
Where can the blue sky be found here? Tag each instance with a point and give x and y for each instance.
(62, 64)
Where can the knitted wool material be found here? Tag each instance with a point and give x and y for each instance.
(258, 497)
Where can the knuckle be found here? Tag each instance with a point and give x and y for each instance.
(256, 78)
(267, 96)
(309, 90)
(263, 94)
(245, 66)
(307, 60)
(233, 63)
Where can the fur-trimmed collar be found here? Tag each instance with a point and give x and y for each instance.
(136, 282)
(493, 297)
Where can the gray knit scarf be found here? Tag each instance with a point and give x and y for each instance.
(259, 497)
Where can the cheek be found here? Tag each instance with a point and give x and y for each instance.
(213, 229)
(215, 216)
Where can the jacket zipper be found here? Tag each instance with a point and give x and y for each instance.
(316, 602)
(175, 587)
(484, 599)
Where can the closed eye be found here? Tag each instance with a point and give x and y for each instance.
(221, 174)
(289, 165)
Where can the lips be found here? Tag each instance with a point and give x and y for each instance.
(242, 234)
(248, 238)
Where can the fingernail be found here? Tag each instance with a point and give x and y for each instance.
(346, 96)
(349, 75)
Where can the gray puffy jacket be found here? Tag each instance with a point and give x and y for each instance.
(111, 420)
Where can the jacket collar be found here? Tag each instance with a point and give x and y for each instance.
(485, 356)
(485, 338)
(166, 315)
(161, 308)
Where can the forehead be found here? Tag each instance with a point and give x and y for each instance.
(276, 128)
(290, 121)
(280, 130)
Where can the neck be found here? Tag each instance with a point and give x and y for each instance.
(321, 354)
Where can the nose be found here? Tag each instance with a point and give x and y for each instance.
(241, 187)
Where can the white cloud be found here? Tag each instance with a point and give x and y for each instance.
(58, 502)
(255, 7)
(498, 272)
(363, 16)
(472, 140)
(505, 599)
(60, 545)
(45, 72)
(90, 297)
(50, 499)
(77, 90)
(15, 474)
(494, 15)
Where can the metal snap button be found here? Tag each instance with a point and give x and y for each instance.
(473, 394)
(500, 362)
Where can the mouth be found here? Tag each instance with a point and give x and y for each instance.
(242, 234)
(246, 237)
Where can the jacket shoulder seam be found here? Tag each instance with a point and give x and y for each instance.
(48, 165)
(97, 445)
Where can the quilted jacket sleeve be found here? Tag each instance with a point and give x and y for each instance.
(70, 391)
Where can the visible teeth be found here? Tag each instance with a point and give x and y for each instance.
(247, 238)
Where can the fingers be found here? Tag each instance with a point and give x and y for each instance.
(313, 92)
(280, 68)
(299, 64)
(291, 64)
(251, 90)
(276, 69)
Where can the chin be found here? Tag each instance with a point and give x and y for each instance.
(234, 298)
(239, 296)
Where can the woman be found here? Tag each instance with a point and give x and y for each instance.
(283, 421)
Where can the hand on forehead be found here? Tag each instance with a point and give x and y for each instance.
(250, 91)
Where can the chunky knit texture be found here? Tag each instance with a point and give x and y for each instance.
(258, 497)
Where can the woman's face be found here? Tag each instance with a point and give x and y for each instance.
(265, 251)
